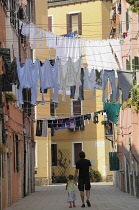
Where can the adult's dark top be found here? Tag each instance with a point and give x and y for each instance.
(83, 166)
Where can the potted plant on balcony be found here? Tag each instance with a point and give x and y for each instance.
(96, 175)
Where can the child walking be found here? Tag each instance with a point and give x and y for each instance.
(70, 187)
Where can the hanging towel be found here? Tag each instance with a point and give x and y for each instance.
(112, 111)
(44, 128)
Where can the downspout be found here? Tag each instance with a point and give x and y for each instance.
(1, 111)
(24, 139)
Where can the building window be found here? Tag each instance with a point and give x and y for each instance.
(5, 3)
(16, 153)
(50, 23)
(36, 154)
(127, 21)
(13, 17)
(27, 100)
(108, 129)
(54, 154)
(74, 23)
(30, 10)
(53, 108)
(76, 148)
(76, 107)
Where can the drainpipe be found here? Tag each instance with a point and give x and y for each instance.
(0, 142)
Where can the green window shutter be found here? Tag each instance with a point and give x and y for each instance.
(127, 21)
(136, 59)
(113, 161)
(127, 65)
(133, 64)
(120, 28)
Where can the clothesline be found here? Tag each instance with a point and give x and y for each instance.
(73, 47)
(72, 122)
(76, 122)
(71, 76)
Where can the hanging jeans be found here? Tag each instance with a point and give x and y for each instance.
(109, 74)
(125, 81)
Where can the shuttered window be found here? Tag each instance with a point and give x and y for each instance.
(74, 20)
(136, 62)
(127, 21)
(69, 26)
(52, 108)
(76, 107)
(127, 65)
(74, 23)
(77, 148)
(80, 23)
(50, 23)
(120, 27)
(54, 154)
(113, 161)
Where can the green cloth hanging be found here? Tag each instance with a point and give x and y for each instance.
(112, 111)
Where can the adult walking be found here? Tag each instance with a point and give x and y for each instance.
(83, 167)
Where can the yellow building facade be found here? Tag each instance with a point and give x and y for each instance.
(42, 144)
(90, 20)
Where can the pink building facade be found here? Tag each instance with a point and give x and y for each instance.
(127, 132)
(17, 155)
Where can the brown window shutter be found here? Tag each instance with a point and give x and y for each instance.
(80, 23)
(50, 23)
(68, 23)
(77, 107)
(77, 149)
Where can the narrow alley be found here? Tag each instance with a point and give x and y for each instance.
(104, 196)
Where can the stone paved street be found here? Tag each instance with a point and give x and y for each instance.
(104, 196)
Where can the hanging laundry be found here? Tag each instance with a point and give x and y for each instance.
(116, 46)
(51, 40)
(10, 72)
(67, 47)
(108, 59)
(72, 122)
(99, 55)
(89, 79)
(93, 55)
(125, 83)
(137, 78)
(20, 13)
(55, 80)
(95, 120)
(79, 122)
(111, 76)
(99, 75)
(72, 34)
(41, 39)
(112, 111)
(93, 80)
(33, 35)
(28, 76)
(62, 124)
(69, 75)
(49, 79)
(44, 128)
(81, 88)
(92, 116)
(25, 29)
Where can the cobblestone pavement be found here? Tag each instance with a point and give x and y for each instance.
(104, 196)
